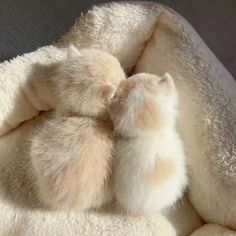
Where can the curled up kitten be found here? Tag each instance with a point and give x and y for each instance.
(150, 172)
(71, 153)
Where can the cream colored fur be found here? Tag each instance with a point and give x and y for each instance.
(21, 215)
(207, 95)
(109, 28)
(72, 161)
(57, 85)
(71, 153)
(149, 169)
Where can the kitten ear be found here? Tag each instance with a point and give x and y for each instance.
(107, 93)
(167, 82)
(73, 52)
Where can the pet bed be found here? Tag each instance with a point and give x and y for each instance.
(145, 37)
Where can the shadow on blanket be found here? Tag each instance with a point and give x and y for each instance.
(16, 173)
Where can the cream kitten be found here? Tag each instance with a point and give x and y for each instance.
(71, 153)
(58, 84)
(150, 172)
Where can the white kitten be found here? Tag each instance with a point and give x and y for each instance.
(150, 172)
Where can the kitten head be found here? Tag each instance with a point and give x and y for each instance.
(144, 103)
(86, 81)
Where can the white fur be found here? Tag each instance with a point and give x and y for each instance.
(136, 158)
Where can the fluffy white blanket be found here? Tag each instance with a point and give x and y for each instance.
(144, 37)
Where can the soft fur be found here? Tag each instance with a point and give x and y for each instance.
(154, 39)
(91, 73)
(150, 173)
(71, 153)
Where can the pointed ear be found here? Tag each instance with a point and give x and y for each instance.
(167, 83)
(107, 93)
(167, 76)
(73, 52)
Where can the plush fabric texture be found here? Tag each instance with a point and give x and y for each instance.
(145, 38)
(214, 230)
